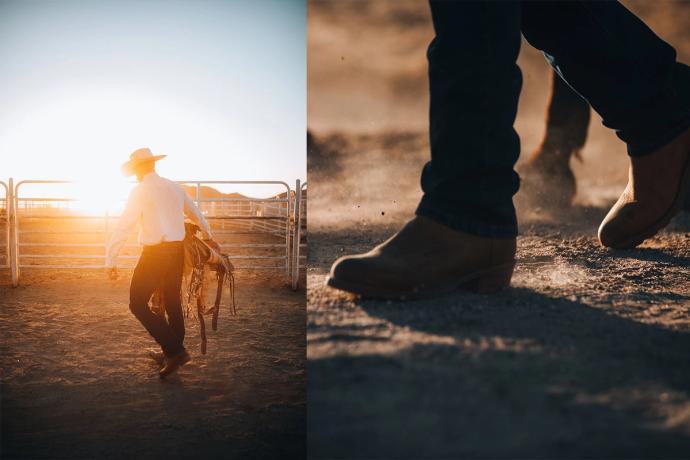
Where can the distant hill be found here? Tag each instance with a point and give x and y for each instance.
(210, 192)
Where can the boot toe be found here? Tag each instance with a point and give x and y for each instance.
(624, 227)
(348, 269)
(608, 235)
(367, 275)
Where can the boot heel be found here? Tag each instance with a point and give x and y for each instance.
(494, 280)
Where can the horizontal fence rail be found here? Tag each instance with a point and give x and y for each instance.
(256, 233)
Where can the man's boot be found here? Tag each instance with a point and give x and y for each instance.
(656, 190)
(157, 356)
(426, 259)
(172, 363)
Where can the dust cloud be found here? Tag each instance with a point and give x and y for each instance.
(368, 110)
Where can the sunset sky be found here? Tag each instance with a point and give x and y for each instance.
(218, 86)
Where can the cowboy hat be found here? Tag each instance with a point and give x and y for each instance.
(138, 157)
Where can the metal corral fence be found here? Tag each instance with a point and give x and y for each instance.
(257, 233)
(299, 257)
(5, 226)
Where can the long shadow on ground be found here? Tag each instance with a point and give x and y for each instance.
(586, 357)
(518, 375)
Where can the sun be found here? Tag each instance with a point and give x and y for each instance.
(99, 198)
(74, 196)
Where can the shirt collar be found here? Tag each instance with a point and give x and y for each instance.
(149, 176)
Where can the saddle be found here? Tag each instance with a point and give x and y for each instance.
(200, 255)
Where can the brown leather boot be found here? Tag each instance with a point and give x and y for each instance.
(172, 363)
(657, 185)
(157, 356)
(426, 259)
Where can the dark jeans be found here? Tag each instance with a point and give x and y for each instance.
(605, 53)
(160, 266)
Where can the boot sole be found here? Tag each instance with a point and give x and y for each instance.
(162, 374)
(483, 281)
(675, 208)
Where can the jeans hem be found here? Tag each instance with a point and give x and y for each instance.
(466, 224)
(667, 137)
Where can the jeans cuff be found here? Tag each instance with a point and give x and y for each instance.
(638, 150)
(463, 223)
(169, 352)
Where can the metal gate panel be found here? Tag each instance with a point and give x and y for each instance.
(267, 217)
(5, 226)
(250, 216)
(300, 232)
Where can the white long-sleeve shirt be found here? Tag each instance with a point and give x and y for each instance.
(158, 205)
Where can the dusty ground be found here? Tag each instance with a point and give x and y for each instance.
(586, 355)
(76, 382)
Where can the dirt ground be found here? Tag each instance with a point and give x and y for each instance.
(77, 383)
(586, 355)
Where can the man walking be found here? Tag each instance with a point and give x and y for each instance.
(158, 206)
(465, 228)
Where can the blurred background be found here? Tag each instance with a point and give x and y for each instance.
(368, 107)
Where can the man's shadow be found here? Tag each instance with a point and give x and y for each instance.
(517, 374)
